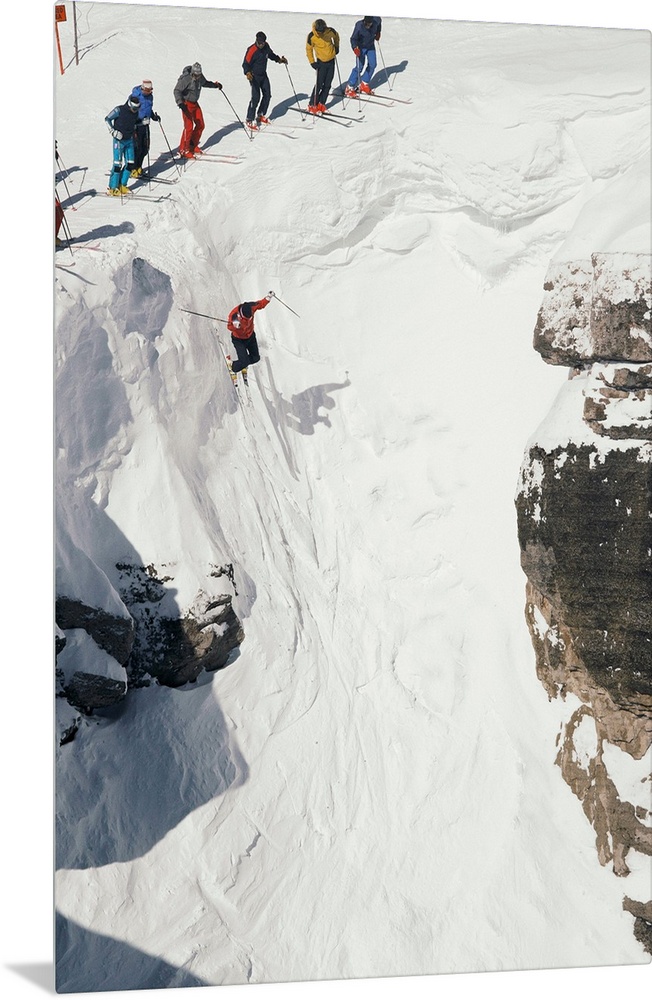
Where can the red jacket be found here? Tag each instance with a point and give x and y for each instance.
(241, 326)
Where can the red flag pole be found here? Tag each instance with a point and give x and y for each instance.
(59, 15)
(56, 30)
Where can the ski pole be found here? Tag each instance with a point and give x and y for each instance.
(337, 67)
(250, 137)
(358, 66)
(296, 97)
(170, 148)
(67, 233)
(205, 315)
(57, 160)
(274, 296)
(384, 66)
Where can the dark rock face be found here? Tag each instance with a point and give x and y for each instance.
(88, 691)
(585, 532)
(112, 633)
(173, 649)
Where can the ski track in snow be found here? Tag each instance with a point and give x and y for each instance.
(379, 755)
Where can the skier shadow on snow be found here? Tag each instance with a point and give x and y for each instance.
(382, 75)
(280, 110)
(79, 196)
(105, 232)
(301, 413)
(112, 964)
(221, 133)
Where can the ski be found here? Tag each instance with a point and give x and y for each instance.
(245, 379)
(401, 100)
(146, 197)
(234, 377)
(157, 180)
(381, 102)
(222, 157)
(253, 132)
(327, 117)
(348, 118)
(139, 197)
(371, 98)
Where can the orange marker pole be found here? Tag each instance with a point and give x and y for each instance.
(56, 31)
(59, 15)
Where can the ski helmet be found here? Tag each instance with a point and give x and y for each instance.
(133, 102)
(195, 69)
(320, 24)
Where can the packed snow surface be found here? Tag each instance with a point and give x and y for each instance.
(368, 789)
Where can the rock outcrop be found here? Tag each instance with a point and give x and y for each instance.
(101, 655)
(585, 532)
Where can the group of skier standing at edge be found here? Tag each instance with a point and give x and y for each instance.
(129, 127)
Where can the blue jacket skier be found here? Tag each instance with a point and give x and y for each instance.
(365, 34)
(254, 67)
(122, 121)
(145, 93)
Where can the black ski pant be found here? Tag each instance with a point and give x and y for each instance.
(247, 351)
(325, 74)
(261, 93)
(141, 145)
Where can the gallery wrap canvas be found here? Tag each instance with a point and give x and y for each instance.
(353, 370)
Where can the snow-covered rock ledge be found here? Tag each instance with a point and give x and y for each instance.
(596, 310)
(585, 532)
(102, 654)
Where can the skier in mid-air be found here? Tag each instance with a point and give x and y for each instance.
(254, 67)
(240, 325)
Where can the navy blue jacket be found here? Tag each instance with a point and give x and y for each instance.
(255, 60)
(363, 37)
(123, 119)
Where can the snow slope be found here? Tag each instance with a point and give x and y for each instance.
(368, 789)
(344, 773)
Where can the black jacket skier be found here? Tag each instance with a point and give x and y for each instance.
(254, 67)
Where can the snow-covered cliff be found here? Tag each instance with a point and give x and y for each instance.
(367, 788)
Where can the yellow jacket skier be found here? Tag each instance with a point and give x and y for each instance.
(322, 46)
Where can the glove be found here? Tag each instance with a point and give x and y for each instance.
(284, 60)
(236, 323)
(314, 65)
(218, 85)
(337, 50)
(270, 295)
(183, 108)
(378, 37)
(155, 117)
(356, 52)
(144, 121)
(249, 76)
(114, 132)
